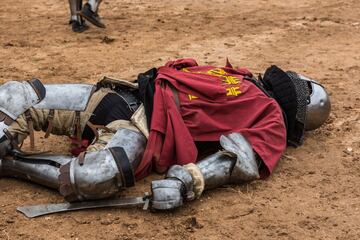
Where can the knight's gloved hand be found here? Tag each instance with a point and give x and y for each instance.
(167, 194)
(5, 147)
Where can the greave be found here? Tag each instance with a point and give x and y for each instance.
(75, 7)
(43, 170)
(94, 175)
(64, 111)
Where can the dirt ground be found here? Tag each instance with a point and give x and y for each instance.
(314, 192)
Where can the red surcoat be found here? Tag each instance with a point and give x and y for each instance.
(212, 101)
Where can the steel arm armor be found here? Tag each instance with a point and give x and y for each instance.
(235, 164)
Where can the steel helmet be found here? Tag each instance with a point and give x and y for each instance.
(305, 102)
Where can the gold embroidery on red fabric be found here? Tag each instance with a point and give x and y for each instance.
(231, 80)
(192, 97)
(226, 78)
(233, 91)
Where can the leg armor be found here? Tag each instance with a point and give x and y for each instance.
(97, 174)
(92, 175)
(74, 97)
(95, 5)
(15, 99)
(40, 169)
(76, 21)
(75, 111)
(236, 164)
(65, 117)
(75, 8)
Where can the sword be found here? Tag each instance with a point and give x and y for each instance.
(45, 209)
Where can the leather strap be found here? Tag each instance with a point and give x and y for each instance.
(81, 158)
(38, 88)
(78, 127)
(95, 129)
(50, 120)
(5, 118)
(124, 166)
(11, 138)
(31, 129)
(65, 187)
(17, 148)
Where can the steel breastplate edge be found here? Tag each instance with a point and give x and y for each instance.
(73, 97)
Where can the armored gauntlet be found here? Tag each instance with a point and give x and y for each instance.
(235, 164)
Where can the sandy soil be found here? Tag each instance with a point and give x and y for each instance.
(314, 192)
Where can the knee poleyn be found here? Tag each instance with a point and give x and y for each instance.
(96, 175)
(16, 98)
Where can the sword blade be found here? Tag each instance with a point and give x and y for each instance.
(44, 209)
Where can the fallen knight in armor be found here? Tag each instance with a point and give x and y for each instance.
(206, 126)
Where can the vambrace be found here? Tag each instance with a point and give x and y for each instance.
(234, 165)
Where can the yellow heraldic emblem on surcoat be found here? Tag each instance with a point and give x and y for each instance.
(233, 91)
(192, 97)
(232, 82)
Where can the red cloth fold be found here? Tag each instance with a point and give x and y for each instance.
(213, 101)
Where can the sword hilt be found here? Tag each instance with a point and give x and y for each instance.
(146, 198)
